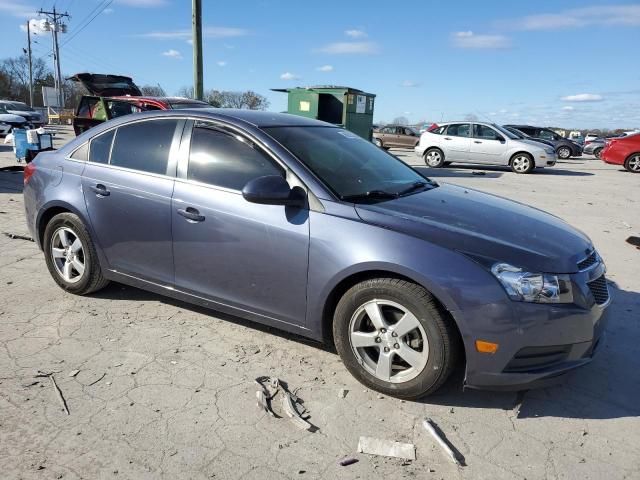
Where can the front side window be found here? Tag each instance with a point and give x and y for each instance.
(347, 164)
(459, 129)
(485, 132)
(101, 147)
(144, 146)
(222, 158)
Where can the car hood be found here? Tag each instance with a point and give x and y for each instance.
(487, 227)
(535, 143)
(10, 117)
(107, 85)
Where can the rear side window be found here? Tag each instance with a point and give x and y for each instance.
(101, 147)
(144, 146)
(458, 129)
(81, 153)
(221, 158)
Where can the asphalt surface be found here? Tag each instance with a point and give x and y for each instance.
(166, 389)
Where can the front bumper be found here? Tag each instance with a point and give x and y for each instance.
(538, 343)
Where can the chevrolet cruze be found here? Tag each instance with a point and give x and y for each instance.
(306, 227)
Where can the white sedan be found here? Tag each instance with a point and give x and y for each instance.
(483, 144)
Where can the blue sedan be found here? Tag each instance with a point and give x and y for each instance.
(306, 227)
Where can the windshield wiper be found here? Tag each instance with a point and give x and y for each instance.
(412, 188)
(371, 194)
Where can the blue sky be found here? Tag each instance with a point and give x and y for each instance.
(565, 63)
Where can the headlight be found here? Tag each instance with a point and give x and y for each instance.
(550, 151)
(524, 286)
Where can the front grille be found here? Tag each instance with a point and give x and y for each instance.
(587, 262)
(599, 290)
(531, 359)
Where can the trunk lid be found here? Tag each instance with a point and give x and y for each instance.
(105, 85)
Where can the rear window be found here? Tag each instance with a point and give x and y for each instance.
(144, 146)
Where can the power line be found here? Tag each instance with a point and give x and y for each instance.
(101, 7)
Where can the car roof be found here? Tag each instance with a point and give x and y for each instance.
(257, 118)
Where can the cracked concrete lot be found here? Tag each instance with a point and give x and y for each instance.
(166, 390)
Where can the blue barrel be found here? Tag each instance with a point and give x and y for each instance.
(21, 143)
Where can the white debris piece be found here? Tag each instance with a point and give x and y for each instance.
(73, 373)
(387, 448)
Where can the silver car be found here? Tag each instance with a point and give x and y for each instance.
(484, 144)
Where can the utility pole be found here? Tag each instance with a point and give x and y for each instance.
(56, 26)
(198, 90)
(30, 63)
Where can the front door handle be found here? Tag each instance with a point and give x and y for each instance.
(100, 189)
(447, 138)
(477, 141)
(191, 214)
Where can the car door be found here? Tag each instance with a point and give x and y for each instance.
(408, 138)
(488, 146)
(456, 142)
(245, 255)
(127, 186)
(390, 136)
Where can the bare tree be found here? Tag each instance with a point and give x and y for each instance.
(14, 78)
(153, 91)
(401, 121)
(227, 99)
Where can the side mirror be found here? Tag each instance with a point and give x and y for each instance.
(273, 190)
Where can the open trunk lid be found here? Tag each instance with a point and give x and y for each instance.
(107, 85)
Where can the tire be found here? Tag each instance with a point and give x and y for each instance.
(632, 164)
(67, 242)
(378, 143)
(522, 163)
(597, 152)
(563, 152)
(428, 369)
(434, 158)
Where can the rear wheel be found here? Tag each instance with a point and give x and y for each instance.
(434, 158)
(393, 337)
(632, 164)
(522, 163)
(564, 152)
(378, 142)
(71, 256)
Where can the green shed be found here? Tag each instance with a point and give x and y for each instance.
(348, 107)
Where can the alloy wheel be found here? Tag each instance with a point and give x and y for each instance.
(634, 164)
(434, 158)
(388, 341)
(67, 254)
(521, 163)
(564, 153)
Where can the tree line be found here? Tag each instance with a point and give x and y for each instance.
(14, 85)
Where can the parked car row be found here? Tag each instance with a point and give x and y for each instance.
(623, 151)
(18, 115)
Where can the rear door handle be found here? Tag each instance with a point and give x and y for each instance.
(477, 141)
(447, 138)
(100, 189)
(191, 214)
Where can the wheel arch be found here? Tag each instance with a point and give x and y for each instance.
(522, 152)
(353, 278)
(50, 210)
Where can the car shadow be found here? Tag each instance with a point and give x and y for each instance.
(606, 388)
(119, 291)
(11, 179)
(488, 171)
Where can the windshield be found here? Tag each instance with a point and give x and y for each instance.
(351, 167)
(509, 134)
(20, 106)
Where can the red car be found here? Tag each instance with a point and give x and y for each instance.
(623, 151)
(112, 96)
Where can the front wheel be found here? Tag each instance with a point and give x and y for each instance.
(378, 143)
(71, 256)
(597, 153)
(434, 158)
(393, 337)
(522, 163)
(564, 152)
(632, 164)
